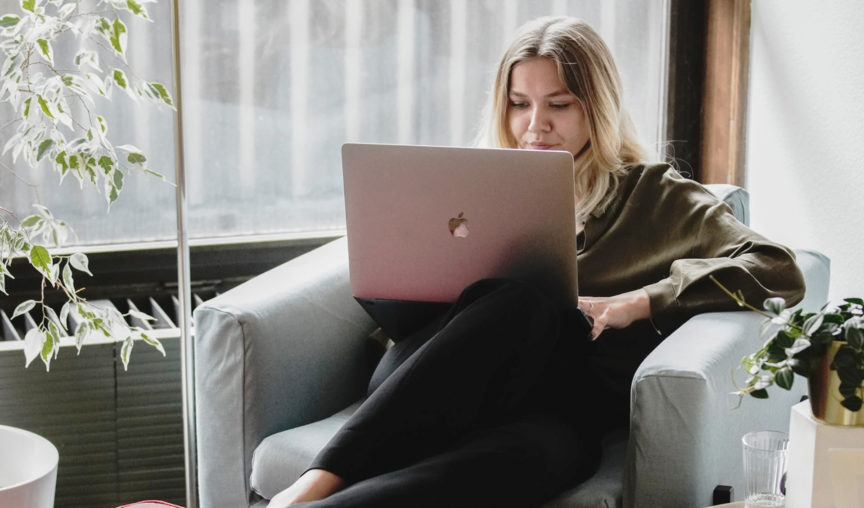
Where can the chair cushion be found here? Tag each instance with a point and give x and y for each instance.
(605, 488)
(282, 457)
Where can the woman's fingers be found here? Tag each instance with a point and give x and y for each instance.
(617, 311)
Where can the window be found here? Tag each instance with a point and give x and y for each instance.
(271, 89)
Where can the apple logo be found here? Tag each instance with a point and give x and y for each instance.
(458, 226)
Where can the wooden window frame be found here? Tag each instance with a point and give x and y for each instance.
(708, 86)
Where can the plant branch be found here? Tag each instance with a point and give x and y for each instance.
(739, 300)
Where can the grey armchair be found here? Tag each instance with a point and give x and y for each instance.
(282, 361)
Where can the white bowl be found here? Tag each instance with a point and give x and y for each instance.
(28, 469)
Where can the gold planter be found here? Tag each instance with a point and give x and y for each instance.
(824, 387)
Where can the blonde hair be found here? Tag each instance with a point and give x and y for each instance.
(585, 65)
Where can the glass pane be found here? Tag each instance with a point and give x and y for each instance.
(145, 209)
(273, 88)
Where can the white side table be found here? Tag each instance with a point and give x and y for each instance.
(809, 481)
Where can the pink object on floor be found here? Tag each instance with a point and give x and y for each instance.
(150, 504)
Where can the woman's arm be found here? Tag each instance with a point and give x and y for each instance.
(668, 236)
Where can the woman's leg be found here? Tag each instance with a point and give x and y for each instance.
(520, 464)
(475, 372)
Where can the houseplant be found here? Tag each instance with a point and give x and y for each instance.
(826, 347)
(61, 58)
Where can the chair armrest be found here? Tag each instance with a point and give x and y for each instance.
(685, 436)
(685, 432)
(281, 350)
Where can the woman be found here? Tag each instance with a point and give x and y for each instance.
(502, 401)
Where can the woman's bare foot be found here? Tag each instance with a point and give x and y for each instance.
(312, 485)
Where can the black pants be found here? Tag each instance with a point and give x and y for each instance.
(481, 408)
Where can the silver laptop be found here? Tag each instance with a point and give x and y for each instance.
(425, 222)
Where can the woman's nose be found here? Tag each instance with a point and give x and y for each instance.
(539, 121)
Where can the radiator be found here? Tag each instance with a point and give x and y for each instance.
(119, 433)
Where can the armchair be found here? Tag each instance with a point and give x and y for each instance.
(282, 361)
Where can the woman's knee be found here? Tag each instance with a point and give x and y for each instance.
(509, 294)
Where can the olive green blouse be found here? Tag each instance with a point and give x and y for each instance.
(667, 234)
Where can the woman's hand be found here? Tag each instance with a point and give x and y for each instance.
(617, 311)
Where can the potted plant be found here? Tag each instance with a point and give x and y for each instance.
(53, 101)
(826, 347)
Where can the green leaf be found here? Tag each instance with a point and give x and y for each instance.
(812, 325)
(854, 333)
(118, 180)
(852, 403)
(103, 25)
(784, 339)
(44, 146)
(46, 49)
(55, 320)
(61, 160)
(80, 262)
(9, 20)
(27, 107)
(120, 78)
(64, 312)
(81, 334)
(40, 258)
(118, 36)
(759, 394)
(28, 5)
(33, 344)
(163, 94)
(137, 158)
(833, 318)
(31, 221)
(844, 358)
(126, 351)
(775, 305)
(776, 353)
(136, 8)
(112, 194)
(153, 342)
(23, 308)
(106, 163)
(155, 173)
(48, 348)
(68, 281)
(847, 389)
(784, 378)
(44, 105)
(141, 315)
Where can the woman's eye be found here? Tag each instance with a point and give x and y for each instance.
(561, 105)
(518, 105)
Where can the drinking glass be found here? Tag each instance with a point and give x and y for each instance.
(764, 468)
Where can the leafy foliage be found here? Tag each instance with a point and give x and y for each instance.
(56, 123)
(799, 340)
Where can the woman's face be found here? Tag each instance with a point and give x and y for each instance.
(542, 113)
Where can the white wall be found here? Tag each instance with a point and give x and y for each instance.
(805, 156)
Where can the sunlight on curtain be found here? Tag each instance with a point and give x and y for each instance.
(273, 88)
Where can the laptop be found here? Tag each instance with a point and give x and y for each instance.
(425, 222)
